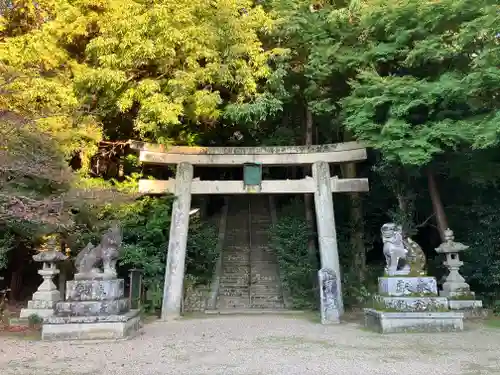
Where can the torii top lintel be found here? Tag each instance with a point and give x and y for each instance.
(271, 155)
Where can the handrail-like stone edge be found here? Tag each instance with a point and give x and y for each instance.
(217, 273)
(285, 291)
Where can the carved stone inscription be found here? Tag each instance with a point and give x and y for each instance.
(403, 286)
(330, 313)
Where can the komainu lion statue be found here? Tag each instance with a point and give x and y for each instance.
(106, 252)
(398, 251)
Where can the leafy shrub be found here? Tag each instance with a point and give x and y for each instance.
(35, 320)
(146, 226)
(289, 238)
(479, 228)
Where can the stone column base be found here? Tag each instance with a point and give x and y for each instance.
(92, 327)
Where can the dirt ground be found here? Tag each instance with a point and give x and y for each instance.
(259, 345)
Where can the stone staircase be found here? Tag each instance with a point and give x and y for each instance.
(250, 278)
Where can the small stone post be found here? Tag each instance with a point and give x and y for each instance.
(325, 221)
(454, 284)
(47, 295)
(176, 257)
(136, 288)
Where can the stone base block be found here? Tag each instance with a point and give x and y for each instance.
(47, 295)
(92, 327)
(460, 304)
(397, 322)
(92, 308)
(95, 290)
(404, 285)
(471, 309)
(42, 313)
(415, 304)
(41, 305)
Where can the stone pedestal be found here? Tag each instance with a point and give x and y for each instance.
(405, 285)
(411, 304)
(398, 322)
(46, 297)
(94, 309)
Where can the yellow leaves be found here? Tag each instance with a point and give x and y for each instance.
(204, 104)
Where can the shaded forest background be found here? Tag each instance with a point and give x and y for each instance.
(417, 81)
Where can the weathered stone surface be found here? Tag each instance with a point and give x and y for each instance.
(327, 233)
(400, 286)
(330, 313)
(49, 256)
(465, 304)
(42, 313)
(106, 252)
(394, 249)
(260, 150)
(176, 255)
(92, 308)
(396, 322)
(94, 290)
(195, 300)
(89, 328)
(414, 303)
(472, 309)
(91, 319)
(249, 277)
(47, 295)
(305, 185)
(41, 304)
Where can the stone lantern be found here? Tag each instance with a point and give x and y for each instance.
(47, 295)
(455, 288)
(454, 284)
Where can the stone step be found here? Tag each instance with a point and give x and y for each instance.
(264, 268)
(265, 278)
(274, 290)
(233, 303)
(228, 276)
(234, 283)
(240, 270)
(267, 306)
(233, 293)
(261, 297)
(236, 259)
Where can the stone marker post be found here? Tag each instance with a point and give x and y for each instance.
(330, 313)
(176, 257)
(325, 221)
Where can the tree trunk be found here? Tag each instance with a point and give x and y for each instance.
(437, 204)
(309, 199)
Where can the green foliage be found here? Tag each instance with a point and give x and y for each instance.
(289, 238)
(34, 320)
(477, 224)
(428, 73)
(169, 67)
(146, 225)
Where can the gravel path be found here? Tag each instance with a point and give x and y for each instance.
(259, 345)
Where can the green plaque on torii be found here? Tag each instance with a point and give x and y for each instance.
(252, 176)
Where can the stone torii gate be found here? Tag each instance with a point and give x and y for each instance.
(322, 184)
